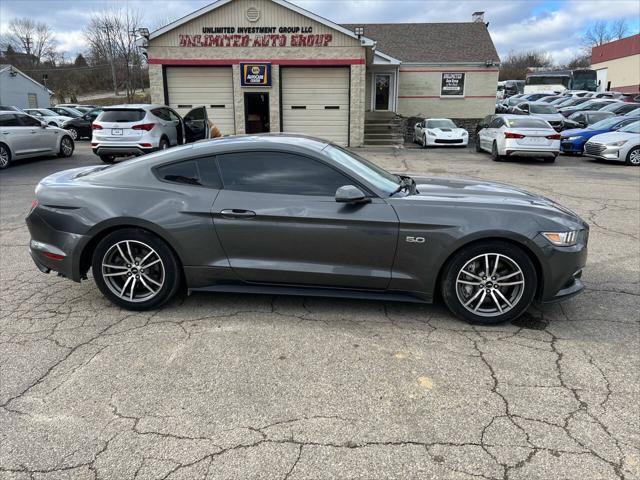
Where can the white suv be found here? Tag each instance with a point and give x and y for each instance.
(125, 130)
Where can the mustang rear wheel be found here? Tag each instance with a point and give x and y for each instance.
(489, 282)
(135, 269)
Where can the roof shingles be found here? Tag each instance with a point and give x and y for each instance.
(432, 42)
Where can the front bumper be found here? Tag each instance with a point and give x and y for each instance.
(571, 146)
(562, 268)
(602, 151)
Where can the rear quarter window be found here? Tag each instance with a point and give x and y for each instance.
(202, 172)
(122, 115)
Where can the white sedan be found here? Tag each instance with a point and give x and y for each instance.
(622, 145)
(515, 135)
(47, 116)
(439, 132)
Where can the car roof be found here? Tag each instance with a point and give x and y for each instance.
(135, 106)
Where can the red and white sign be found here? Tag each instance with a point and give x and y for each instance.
(271, 40)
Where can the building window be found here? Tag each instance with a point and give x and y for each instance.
(32, 99)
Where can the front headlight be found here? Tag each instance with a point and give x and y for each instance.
(430, 132)
(465, 133)
(619, 143)
(562, 239)
(571, 139)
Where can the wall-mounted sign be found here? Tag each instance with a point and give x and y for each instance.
(256, 37)
(255, 74)
(452, 85)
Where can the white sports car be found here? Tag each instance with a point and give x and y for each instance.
(437, 132)
(47, 116)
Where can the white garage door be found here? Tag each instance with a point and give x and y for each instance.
(190, 87)
(315, 101)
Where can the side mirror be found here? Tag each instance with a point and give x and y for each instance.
(43, 124)
(351, 194)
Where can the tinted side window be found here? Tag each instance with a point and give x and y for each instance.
(161, 113)
(202, 172)
(496, 123)
(9, 120)
(173, 116)
(28, 121)
(276, 172)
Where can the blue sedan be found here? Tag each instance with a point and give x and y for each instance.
(572, 141)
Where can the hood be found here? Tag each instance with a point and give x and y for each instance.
(548, 116)
(448, 131)
(582, 132)
(614, 136)
(61, 118)
(458, 190)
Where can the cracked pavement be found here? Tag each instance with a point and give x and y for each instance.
(221, 386)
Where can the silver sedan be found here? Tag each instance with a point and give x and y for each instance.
(23, 136)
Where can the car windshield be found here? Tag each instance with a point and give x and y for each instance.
(605, 124)
(633, 113)
(526, 123)
(538, 108)
(47, 112)
(514, 101)
(122, 115)
(71, 112)
(362, 167)
(631, 128)
(441, 123)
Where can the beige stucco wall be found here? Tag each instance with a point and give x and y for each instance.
(621, 72)
(419, 92)
(342, 47)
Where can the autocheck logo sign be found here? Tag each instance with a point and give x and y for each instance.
(256, 74)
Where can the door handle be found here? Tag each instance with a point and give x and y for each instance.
(237, 213)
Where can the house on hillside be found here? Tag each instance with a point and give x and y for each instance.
(19, 90)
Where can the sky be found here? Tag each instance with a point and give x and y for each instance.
(555, 26)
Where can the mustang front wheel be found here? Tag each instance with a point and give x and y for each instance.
(135, 269)
(490, 282)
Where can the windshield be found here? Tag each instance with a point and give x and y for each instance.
(632, 128)
(362, 167)
(585, 80)
(72, 112)
(635, 112)
(605, 124)
(526, 123)
(46, 111)
(538, 108)
(549, 80)
(441, 123)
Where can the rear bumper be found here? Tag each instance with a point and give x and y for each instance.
(55, 250)
(532, 153)
(122, 150)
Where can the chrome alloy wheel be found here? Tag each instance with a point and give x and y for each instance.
(4, 156)
(67, 146)
(133, 271)
(490, 284)
(634, 157)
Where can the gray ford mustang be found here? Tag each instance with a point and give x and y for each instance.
(286, 214)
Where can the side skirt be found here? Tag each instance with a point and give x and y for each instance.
(391, 296)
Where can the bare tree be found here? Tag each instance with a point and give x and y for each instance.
(111, 36)
(35, 39)
(516, 65)
(619, 29)
(602, 32)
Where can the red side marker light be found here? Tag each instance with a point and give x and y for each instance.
(53, 256)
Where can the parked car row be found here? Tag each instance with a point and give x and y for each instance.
(611, 138)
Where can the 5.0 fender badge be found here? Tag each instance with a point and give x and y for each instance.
(415, 239)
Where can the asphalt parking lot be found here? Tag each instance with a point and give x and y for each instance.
(221, 386)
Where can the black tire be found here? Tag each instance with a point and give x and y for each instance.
(66, 147)
(73, 133)
(518, 256)
(164, 143)
(633, 157)
(5, 156)
(424, 141)
(478, 149)
(136, 238)
(108, 158)
(494, 153)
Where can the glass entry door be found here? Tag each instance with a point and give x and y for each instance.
(382, 91)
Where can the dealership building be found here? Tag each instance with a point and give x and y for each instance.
(271, 66)
(617, 64)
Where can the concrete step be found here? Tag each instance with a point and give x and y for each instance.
(390, 136)
(383, 141)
